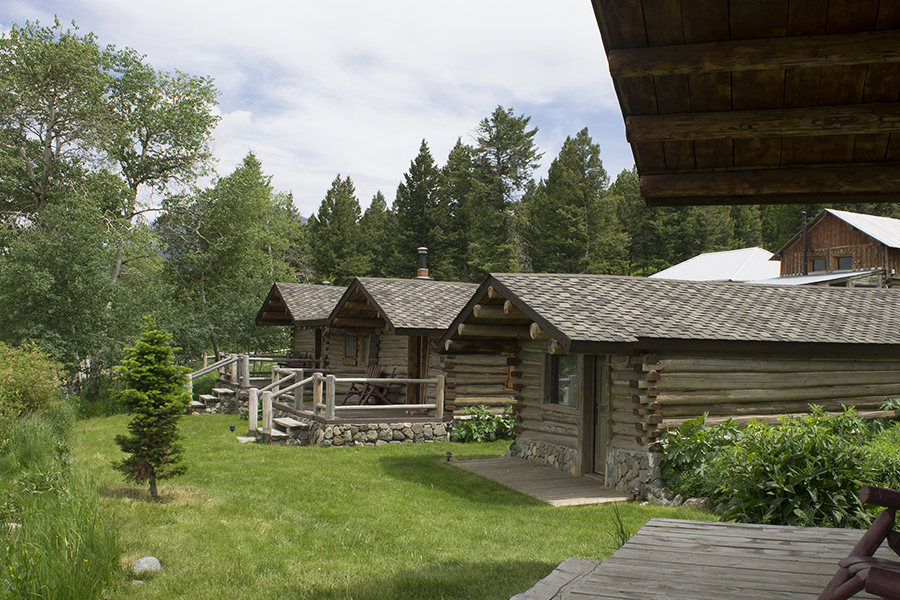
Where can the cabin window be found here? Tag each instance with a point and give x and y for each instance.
(356, 350)
(563, 379)
(818, 264)
(844, 263)
(350, 347)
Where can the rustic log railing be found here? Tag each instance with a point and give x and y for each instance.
(324, 406)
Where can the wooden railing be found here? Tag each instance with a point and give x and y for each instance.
(323, 397)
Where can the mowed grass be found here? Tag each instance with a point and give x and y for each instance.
(370, 523)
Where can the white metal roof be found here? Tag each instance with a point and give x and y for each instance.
(746, 264)
(814, 278)
(883, 229)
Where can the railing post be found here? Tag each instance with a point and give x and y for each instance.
(267, 414)
(253, 410)
(205, 360)
(276, 376)
(439, 398)
(298, 391)
(329, 396)
(245, 371)
(317, 392)
(234, 372)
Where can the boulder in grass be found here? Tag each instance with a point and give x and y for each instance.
(146, 565)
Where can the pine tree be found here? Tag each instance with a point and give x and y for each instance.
(156, 396)
(573, 225)
(334, 235)
(376, 228)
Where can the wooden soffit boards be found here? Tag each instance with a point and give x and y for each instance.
(758, 102)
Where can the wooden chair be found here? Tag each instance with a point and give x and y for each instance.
(862, 571)
(378, 390)
(362, 391)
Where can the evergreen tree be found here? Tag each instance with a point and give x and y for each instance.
(573, 225)
(156, 396)
(422, 214)
(504, 160)
(465, 193)
(377, 235)
(334, 235)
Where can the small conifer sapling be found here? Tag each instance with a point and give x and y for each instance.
(156, 396)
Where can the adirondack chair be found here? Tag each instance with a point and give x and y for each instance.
(862, 571)
(378, 390)
(362, 390)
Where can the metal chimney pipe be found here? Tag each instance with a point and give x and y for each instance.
(423, 264)
(805, 244)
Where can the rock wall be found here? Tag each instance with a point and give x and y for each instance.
(377, 434)
(628, 470)
(547, 455)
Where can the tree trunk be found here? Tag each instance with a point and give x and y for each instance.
(154, 493)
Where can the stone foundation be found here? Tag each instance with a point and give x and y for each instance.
(377, 434)
(628, 470)
(547, 455)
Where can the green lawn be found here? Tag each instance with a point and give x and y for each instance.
(254, 521)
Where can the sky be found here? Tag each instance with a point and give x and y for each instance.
(323, 88)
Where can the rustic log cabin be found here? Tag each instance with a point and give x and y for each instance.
(843, 244)
(394, 324)
(775, 101)
(606, 364)
(305, 308)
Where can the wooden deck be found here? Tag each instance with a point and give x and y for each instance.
(544, 483)
(685, 560)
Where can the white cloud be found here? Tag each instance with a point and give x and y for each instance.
(353, 86)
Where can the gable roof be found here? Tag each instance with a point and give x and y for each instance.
(410, 306)
(882, 229)
(758, 102)
(746, 264)
(300, 304)
(598, 314)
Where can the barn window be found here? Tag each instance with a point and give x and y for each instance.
(818, 264)
(563, 379)
(844, 263)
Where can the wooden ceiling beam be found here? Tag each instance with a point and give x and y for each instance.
(877, 182)
(758, 55)
(876, 117)
(492, 331)
(354, 323)
(804, 198)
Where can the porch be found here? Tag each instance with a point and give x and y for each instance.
(686, 560)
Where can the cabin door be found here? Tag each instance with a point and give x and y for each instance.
(418, 368)
(601, 413)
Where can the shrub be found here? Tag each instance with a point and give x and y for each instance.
(30, 381)
(484, 426)
(805, 472)
(884, 449)
(689, 466)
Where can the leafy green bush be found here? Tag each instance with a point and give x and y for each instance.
(484, 426)
(689, 467)
(30, 381)
(884, 449)
(805, 471)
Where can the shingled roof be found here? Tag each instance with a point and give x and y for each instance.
(608, 314)
(301, 304)
(409, 306)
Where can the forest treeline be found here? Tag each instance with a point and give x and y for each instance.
(87, 132)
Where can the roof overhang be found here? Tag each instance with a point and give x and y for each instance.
(274, 310)
(783, 102)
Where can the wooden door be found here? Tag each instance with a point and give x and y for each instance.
(419, 347)
(601, 413)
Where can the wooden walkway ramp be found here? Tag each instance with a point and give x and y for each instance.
(544, 483)
(686, 560)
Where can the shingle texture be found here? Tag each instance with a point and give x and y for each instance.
(308, 303)
(418, 304)
(601, 308)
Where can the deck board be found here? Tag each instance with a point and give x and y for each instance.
(670, 559)
(544, 483)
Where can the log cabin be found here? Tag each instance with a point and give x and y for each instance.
(758, 102)
(841, 244)
(305, 308)
(607, 364)
(395, 323)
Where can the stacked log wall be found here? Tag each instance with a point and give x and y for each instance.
(670, 388)
(477, 379)
(303, 341)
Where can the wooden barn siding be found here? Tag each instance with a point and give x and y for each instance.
(832, 238)
(670, 388)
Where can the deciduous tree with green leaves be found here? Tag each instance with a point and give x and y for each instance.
(156, 396)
